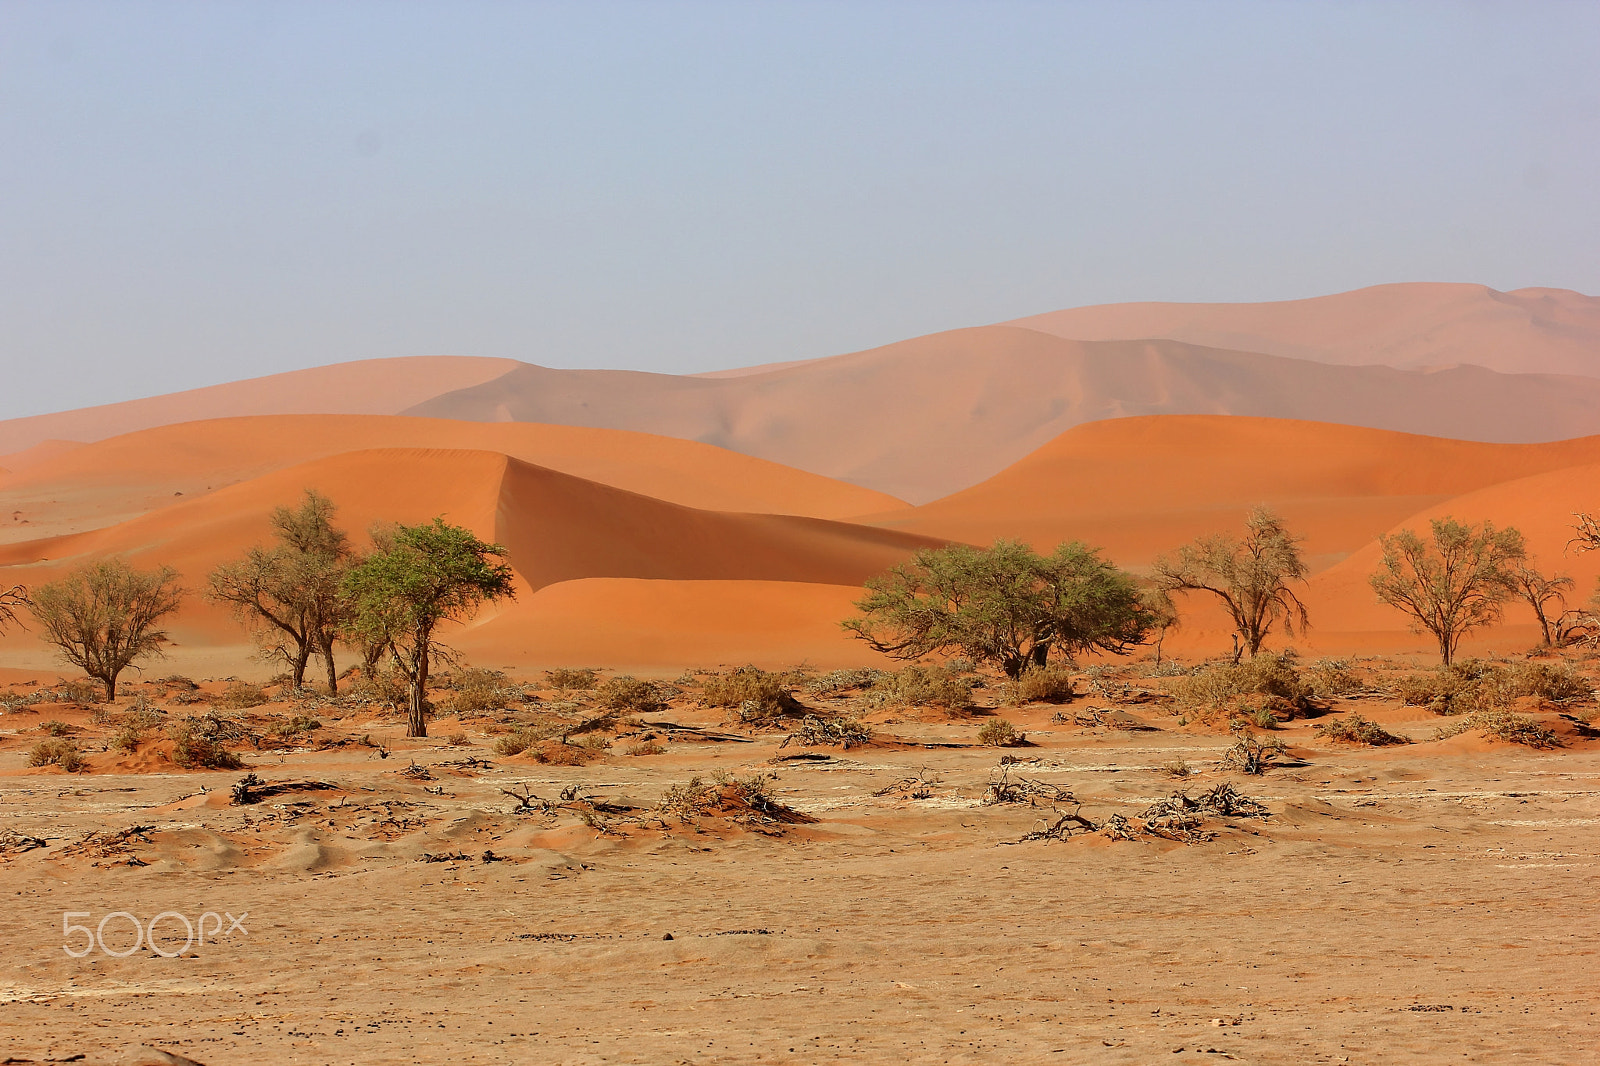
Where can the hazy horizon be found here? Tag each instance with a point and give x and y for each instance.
(202, 193)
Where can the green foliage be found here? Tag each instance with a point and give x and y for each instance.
(1453, 583)
(290, 594)
(58, 751)
(999, 733)
(1354, 729)
(416, 578)
(1250, 575)
(1005, 605)
(102, 616)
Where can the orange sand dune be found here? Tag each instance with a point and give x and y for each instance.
(631, 624)
(926, 417)
(366, 386)
(1142, 486)
(1550, 331)
(117, 479)
(558, 528)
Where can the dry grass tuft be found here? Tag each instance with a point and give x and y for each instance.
(999, 733)
(58, 751)
(1354, 729)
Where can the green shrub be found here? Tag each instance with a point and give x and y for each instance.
(57, 751)
(1354, 729)
(1000, 733)
(1046, 684)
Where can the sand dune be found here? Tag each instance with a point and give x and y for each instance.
(1141, 486)
(1548, 331)
(558, 528)
(90, 486)
(926, 417)
(366, 386)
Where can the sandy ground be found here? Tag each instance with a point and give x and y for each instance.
(1427, 903)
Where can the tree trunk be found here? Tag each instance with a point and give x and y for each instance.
(302, 655)
(333, 674)
(417, 725)
(110, 682)
(1445, 648)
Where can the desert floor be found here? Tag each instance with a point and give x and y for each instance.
(1427, 903)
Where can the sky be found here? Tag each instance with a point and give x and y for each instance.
(193, 193)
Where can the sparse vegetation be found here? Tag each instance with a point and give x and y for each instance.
(745, 800)
(194, 747)
(1354, 729)
(58, 751)
(757, 695)
(1328, 678)
(1044, 684)
(480, 691)
(629, 695)
(646, 747)
(838, 682)
(918, 686)
(1453, 583)
(999, 733)
(1476, 685)
(1251, 754)
(56, 728)
(1269, 684)
(1250, 575)
(844, 732)
(1502, 725)
(238, 696)
(102, 616)
(567, 679)
(1005, 605)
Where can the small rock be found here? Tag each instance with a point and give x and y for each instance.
(667, 937)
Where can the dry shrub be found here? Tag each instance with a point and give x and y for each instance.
(648, 747)
(481, 691)
(629, 695)
(1476, 686)
(1251, 754)
(815, 732)
(289, 728)
(837, 682)
(1354, 729)
(1044, 684)
(58, 751)
(193, 748)
(126, 739)
(83, 690)
(747, 801)
(920, 686)
(1268, 683)
(1502, 725)
(56, 728)
(567, 679)
(387, 686)
(1327, 678)
(757, 695)
(559, 753)
(458, 740)
(1000, 733)
(238, 696)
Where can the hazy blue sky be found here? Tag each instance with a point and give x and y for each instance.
(198, 192)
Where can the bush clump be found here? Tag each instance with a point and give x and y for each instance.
(567, 679)
(480, 691)
(239, 695)
(56, 728)
(1269, 683)
(837, 682)
(1044, 684)
(1475, 686)
(629, 695)
(1354, 729)
(288, 728)
(847, 733)
(1000, 733)
(193, 748)
(126, 739)
(920, 686)
(1327, 678)
(757, 695)
(58, 751)
(1503, 725)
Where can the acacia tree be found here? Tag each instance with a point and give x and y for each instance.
(292, 592)
(102, 616)
(1453, 583)
(14, 597)
(1546, 595)
(1249, 574)
(416, 578)
(1005, 604)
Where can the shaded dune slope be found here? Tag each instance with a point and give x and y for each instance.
(114, 480)
(1552, 331)
(926, 417)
